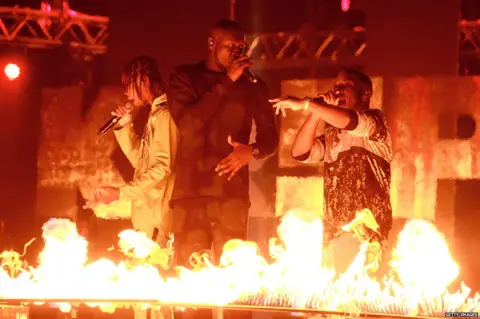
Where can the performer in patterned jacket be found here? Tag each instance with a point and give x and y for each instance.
(356, 151)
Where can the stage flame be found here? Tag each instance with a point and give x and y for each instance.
(421, 271)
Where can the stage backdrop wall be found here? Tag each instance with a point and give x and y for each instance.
(71, 158)
(425, 117)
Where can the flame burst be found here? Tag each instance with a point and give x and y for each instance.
(421, 271)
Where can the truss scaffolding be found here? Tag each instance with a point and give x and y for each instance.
(41, 29)
(469, 47)
(280, 50)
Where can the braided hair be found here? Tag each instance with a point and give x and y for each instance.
(143, 67)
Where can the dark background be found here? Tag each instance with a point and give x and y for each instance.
(423, 32)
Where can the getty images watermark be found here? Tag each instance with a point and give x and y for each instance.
(461, 314)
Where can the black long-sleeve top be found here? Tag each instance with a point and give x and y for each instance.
(207, 107)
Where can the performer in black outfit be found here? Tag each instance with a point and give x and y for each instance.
(213, 105)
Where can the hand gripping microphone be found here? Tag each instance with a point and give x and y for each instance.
(110, 124)
(249, 73)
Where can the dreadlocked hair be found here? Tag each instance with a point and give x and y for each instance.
(142, 67)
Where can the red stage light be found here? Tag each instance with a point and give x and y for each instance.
(345, 5)
(12, 71)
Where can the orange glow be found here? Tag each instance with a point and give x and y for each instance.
(421, 270)
(12, 71)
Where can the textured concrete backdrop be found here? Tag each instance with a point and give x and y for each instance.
(433, 133)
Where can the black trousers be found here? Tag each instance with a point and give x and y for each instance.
(205, 225)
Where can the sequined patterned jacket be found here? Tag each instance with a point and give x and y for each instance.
(356, 171)
(153, 157)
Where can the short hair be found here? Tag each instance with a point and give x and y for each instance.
(143, 67)
(360, 77)
(227, 25)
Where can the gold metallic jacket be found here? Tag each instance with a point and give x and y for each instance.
(153, 158)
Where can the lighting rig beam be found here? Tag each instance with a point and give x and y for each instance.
(469, 44)
(41, 29)
(283, 50)
(279, 50)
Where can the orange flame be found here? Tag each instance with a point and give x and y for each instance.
(421, 271)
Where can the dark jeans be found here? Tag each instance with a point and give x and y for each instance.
(204, 224)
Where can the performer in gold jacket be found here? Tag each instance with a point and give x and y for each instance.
(146, 198)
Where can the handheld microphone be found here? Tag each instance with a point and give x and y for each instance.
(321, 100)
(247, 72)
(250, 75)
(111, 123)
